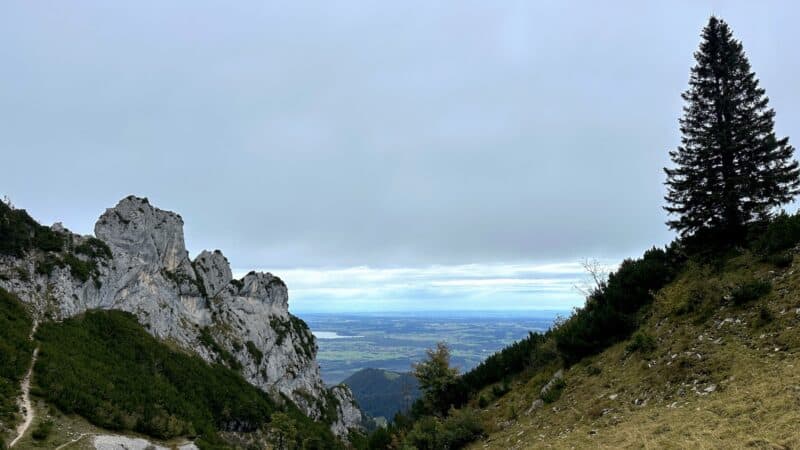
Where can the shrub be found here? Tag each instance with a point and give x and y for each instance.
(610, 313)
(483, 402)
(380, 439)
(20, 233)
(255, 353)
(641, 342)
(42, 430)
(593, 370)
(554, 393)
(749, 291)
(765, 316)
(499, 390)
(224, 356)
(94, 248)
(461, 427)
(513, 359)
(781, 260)
(456, 431)
(781, 233)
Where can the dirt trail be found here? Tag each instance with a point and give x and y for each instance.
(81, 436)
(25, 400)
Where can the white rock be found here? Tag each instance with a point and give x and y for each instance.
(108, 442)
(152, 277)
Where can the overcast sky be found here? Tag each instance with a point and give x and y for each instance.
(485, 145)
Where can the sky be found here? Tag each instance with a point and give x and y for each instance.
(406, 155)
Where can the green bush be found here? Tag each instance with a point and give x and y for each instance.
(20, 233)
(642, 343)
(513, 359)
(554, 393)
(781, 260)
(224, 356)
(42, 430)
(593, 370)
(765, 316)
(611, 311)
(781, 233)
(499, 390)
(257, 354)
(750, 291)
(456, 431)
(380, 439)
(94, 248)
(483, 402)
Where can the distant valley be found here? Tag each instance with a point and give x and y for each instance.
(392, 341)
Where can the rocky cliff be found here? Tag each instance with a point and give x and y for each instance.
(138, 263)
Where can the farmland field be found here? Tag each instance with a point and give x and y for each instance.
(349, 342)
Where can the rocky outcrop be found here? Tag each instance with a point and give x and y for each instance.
(243, 323)
(347, 410)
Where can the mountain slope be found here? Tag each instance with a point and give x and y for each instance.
(382, 393)
(714, 365)
(138, 263)
(15, 356)
(104, 366)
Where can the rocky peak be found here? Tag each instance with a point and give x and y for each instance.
(244, 324)
(266, 288)
(144, 233)
(213, 270)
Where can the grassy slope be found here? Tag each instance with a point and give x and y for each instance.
(746, 357)
(15, 356)
(105, 367)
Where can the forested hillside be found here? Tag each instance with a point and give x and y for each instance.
(383, 393)
(15, 357)
(104, 366)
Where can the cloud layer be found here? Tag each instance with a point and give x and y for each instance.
(473, 287)
(417, 134)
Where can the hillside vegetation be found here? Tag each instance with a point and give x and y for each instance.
(675, 350)
(713, 365)
(105, 367)
(15, 357)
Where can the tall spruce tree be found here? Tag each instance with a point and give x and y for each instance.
(730, 169)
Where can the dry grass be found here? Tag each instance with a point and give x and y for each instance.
(721, 376)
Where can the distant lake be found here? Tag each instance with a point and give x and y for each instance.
(332, 335)
(349, 342)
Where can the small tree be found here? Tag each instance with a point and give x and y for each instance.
(730, 169)
(282, 432)
(436, 377)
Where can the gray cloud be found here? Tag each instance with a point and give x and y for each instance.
(362, 133)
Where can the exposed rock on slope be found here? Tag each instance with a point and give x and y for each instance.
(244, 324)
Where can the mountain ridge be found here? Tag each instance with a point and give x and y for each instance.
(137, 262)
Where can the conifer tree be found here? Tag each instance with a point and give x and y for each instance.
(730, 169)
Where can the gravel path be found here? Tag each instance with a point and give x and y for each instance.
(25, 401)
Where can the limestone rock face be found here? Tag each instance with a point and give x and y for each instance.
(188, 302)
(144, 234)
(213, 270)
(347, 410)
